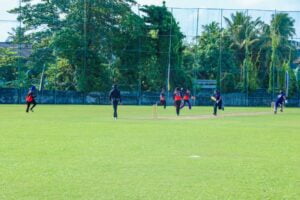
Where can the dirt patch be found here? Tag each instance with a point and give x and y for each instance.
(197, 117)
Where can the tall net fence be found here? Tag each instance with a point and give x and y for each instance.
(74, 52)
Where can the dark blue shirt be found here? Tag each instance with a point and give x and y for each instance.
(217, 96)
(115, 95)
(281, 98)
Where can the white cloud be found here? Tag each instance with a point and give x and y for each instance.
(150, 2)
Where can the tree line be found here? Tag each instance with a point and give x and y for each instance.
(87, 45)
(251, 53)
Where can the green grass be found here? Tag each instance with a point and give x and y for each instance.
(79, 152)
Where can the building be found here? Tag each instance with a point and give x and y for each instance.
(23, 50)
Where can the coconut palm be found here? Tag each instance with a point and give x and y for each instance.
(244, 32)
(282, 29)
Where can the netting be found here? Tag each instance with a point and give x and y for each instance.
(86, 46)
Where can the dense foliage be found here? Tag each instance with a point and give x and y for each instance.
(89, 45)
(248, 54)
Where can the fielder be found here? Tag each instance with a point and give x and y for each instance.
(177, 96)
(115, 98)
(281, 98)
(30, 99)
(162, 98)
(186, 99)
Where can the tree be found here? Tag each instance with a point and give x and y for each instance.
(207, 57)
(244, 34)
(18, 36)
(166, 45)
(282, 29)
(81, 32)
(8, 67)
(61, 76)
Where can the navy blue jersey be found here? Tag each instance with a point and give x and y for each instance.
(217, 96)
(281, 98)
(115, 95)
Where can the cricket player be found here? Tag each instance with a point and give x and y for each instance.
(177, 96)
(281, 98)
(162, 98)
(186, 99)
(30, 99)
(115, 98)
(218, 102)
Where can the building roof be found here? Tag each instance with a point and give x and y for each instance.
(22, 49)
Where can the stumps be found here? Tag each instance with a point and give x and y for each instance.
(272, 105)
(154, 111)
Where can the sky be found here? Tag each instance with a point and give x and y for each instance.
(230, 4)
(186, 17)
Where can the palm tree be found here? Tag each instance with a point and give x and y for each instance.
(243, 32)
(282, 29)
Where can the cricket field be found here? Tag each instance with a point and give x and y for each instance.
(63, 152)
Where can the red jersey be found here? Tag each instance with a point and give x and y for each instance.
(187, 96)
(177, 96)
(29, 98)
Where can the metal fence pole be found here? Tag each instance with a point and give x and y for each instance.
(273, 72)
(18, 35)
(85, 44)
(246, 67)
(220, 53)
(195, 55)
(140, 67)
(169, 55)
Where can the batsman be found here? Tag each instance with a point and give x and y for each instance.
(218, 101)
